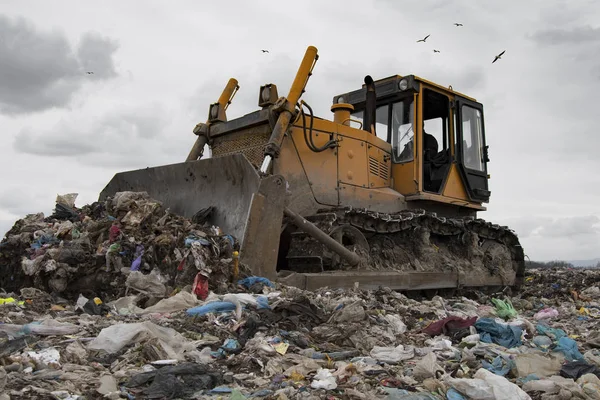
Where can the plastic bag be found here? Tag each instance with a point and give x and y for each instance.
(324, 380)
(546, 313)
(396, 323)
(67, 199)
(115, 337)
(488, 386)
(392, 355)
(568, 347)
(181, 301)
(535, 363)
(149, 284)
(504, 309)
(427, 367)
(215, 306)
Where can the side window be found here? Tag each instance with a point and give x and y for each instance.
(402, 131)
(472, 144)
(357, 116)
(381, 124)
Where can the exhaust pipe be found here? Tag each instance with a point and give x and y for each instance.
(370, 106)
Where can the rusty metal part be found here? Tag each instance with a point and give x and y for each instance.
(249, 142)
(260, 244)
(227, 184)
(352, 258)
(283, 121)
(201, 130)
(197, 149)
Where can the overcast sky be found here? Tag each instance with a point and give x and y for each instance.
(158, 65)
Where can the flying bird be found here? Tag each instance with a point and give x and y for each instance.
(436, 51)
(265, 51)
(424, 39)
(89, 73)
(457, 24)
(498, 56)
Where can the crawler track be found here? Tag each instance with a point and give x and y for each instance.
(413, 241)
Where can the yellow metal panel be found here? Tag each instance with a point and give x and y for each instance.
(364, 136)
(301, 163)
(379, 167)
(403, 177)
(455, 186)
(446, 90)
(442, 199)
(352, 162)
(383, 200)
(418, 129)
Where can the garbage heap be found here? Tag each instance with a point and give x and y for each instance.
(127, 243)
(261, 340)
(122, 299)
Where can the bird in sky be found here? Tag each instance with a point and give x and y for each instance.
(498, 56)
(265, 51)
(89, 72)
(457, 24)
(436, 51)
(424, 39)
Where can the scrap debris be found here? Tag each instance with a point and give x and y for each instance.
(123, 300)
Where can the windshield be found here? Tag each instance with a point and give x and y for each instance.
(402, 131)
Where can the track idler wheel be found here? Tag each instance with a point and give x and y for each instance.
(351, 238)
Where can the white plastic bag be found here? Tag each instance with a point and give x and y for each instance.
(488, 386)
(392, 355)
(115, 337)
(324, 380)
(395, 321)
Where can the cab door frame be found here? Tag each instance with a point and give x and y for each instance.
(475, 181)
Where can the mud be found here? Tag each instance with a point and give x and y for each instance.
(412, 242)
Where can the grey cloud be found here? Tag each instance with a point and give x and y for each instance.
(95, 54)
(578, 35)
(116, 138)
(571, 226)
(40, 70)
(525, 226)
(62, 140)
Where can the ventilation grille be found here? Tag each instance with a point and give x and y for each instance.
(251, 145)
(378, 168)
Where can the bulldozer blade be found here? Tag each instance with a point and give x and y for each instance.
(226, 183)
(245, 205)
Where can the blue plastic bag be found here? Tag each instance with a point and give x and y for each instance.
(214, 307)
(253, 280)
(492, 332)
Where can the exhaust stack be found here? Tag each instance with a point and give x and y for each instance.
(370, 106)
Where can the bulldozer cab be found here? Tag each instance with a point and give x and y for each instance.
(437, 139)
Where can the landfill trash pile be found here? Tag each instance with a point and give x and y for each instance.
(262, 340)
(122, 299)
(129, 243)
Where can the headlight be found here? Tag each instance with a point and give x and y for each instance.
(266, 94)
(214, 111)
(403, 84)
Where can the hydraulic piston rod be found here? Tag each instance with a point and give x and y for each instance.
(283, 122)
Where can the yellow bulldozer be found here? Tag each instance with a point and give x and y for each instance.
(385, 194)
